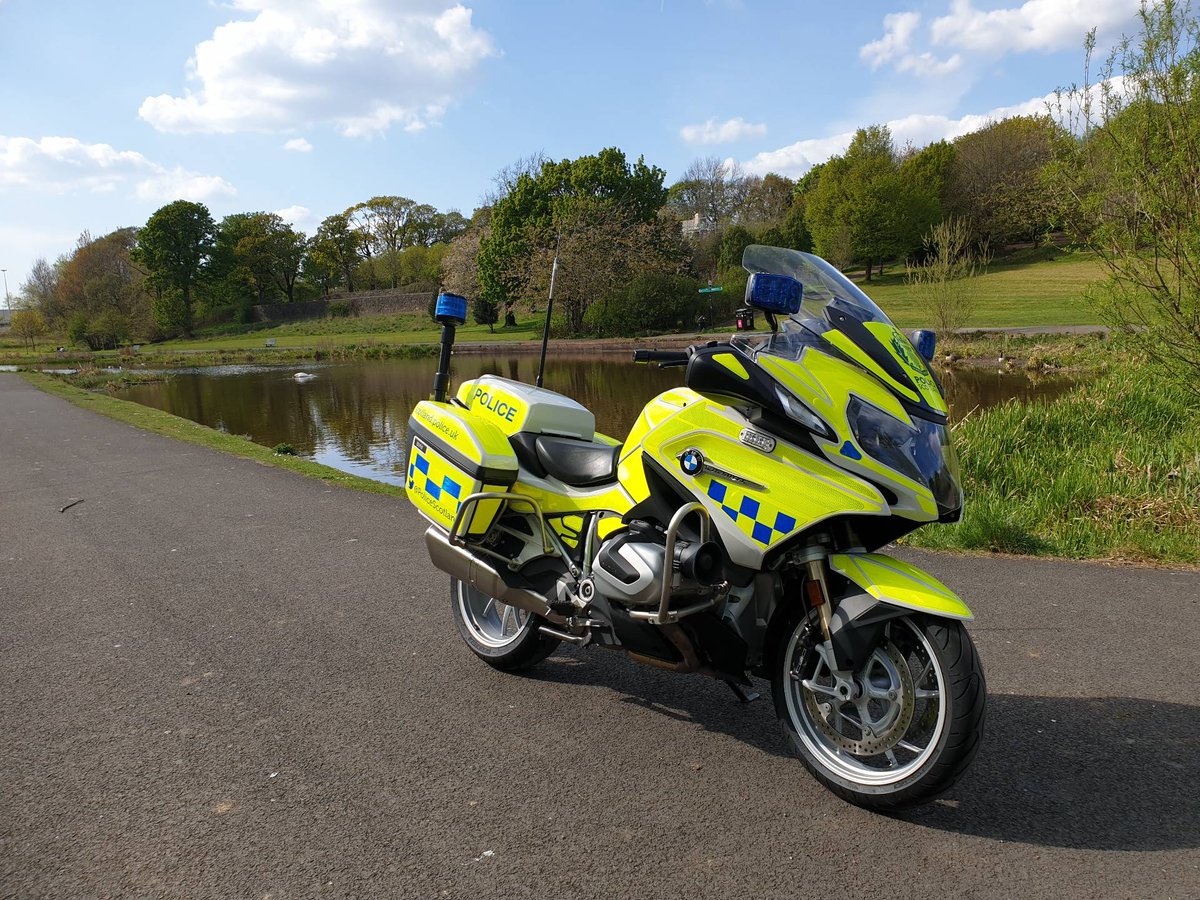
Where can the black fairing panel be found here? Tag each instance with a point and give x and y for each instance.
(719, 383)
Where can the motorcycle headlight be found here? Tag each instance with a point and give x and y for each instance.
(915, 452)
(798, 410)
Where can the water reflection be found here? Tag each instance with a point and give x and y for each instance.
(353, 416)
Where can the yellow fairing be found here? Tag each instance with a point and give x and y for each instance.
(902, 349)
(771, 496)
(444, 440)
(826, 384)
(895, 582)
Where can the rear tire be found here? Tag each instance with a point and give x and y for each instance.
(922, 694)
(503, 636)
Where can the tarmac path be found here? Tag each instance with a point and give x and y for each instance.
(222, 679)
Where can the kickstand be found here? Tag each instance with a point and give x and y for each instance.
(744, 695)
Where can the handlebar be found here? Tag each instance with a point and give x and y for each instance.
(664, 358)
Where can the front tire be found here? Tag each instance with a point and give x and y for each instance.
(503, 636)
(913, 727)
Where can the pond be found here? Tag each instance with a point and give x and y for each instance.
(353, 416)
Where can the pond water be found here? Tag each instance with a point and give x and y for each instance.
(353, 416)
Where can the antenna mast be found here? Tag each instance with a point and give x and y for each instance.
(549, 307)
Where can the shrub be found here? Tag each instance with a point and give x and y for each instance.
(284, 449)
(339, 309)
(649, 303)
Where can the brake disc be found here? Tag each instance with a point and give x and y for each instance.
(877, 733)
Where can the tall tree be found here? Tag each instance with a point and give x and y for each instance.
(995, 179)
(525, 222)
(174, 246)
(712, 188)
(768, 200)
(335, 248)
(863, 208)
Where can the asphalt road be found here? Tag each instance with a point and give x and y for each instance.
(221, 679)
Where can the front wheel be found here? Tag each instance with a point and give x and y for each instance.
(502, 636)
(898, 732)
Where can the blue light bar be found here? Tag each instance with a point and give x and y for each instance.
(774, 293)
(451, 309)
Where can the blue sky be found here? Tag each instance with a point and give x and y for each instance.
(108, 111)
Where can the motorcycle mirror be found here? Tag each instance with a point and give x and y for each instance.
(774, 293)
(926, 343)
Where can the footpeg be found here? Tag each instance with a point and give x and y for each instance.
(744, 695)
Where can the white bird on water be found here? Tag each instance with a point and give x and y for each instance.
(304, 376)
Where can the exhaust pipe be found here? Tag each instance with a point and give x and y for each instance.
(478, 572)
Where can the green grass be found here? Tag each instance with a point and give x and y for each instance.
(186, 430)
(332, 333)
(1013, 293)
(1034, 288)
(1110, 471)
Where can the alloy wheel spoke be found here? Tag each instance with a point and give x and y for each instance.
(929, 694)
(891, 758)
(910, 747)
(819, 688)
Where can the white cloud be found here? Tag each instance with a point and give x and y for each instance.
(1045, 25)
(299, 145)
(713, 132)
(299, 217)
(928, 65)
(62, 165)
(971, 33)
(898, 30)
(921, 129)
(363, 67)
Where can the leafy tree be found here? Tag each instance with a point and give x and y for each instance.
(649, 302)
(734, 242)
(485, 313)
(1128, 187)
(335, 249)
(40, 290)
(768, 200)
(28, 325)
(590, 194)
(460, 268)
(174, 246)
(864, 208)
(994, 181)
(602, 247)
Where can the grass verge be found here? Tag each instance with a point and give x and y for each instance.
(186, 430)
(1109, 471)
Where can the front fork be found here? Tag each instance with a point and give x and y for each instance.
(817, 591)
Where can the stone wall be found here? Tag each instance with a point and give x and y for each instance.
(362, 303)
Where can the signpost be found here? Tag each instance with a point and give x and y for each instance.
(711, 289)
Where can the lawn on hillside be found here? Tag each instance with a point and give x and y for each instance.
(1010, 294)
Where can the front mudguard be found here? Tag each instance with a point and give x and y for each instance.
(897, 583)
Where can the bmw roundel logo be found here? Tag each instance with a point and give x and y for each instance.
(691, 461)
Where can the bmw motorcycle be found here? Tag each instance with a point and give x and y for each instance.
(734, 532)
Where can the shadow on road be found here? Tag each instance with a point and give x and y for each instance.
(1109, 773)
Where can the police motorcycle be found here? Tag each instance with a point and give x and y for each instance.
(734, 532)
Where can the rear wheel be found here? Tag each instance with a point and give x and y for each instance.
(902, 730)
(502, 636)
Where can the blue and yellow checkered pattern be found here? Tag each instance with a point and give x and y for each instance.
(420, 466)
(435, 486)
(749, 514)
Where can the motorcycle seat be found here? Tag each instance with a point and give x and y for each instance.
(577, 462)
